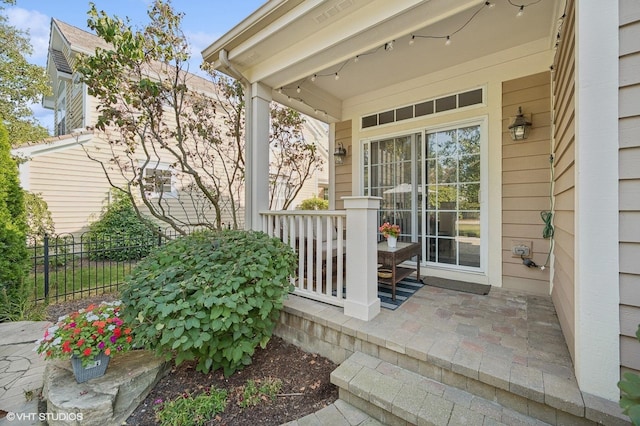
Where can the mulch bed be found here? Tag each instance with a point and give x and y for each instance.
(305, 382)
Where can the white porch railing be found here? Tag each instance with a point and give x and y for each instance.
(336, 250)
(319, 238)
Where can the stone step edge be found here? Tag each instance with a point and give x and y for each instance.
(338, 413)
(415, 398)
(522, 381)
(580, 404)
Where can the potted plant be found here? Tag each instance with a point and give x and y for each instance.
(391, 233)
(88, 337)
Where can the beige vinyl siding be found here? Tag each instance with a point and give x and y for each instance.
(629, 163)
(73, 186)
(342, 179)
(526, 181)
(564, 184)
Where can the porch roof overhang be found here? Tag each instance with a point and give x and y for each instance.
(285, 43)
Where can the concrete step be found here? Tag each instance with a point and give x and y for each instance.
(396, 396)
(340, 413)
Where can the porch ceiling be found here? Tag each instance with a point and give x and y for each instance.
(286, 42)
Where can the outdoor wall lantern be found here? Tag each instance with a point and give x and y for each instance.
(519, 129)
(340, 154)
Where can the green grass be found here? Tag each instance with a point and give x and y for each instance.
(469, 228)
(80, 280)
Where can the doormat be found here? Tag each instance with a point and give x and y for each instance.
(474, 288)
(404, 290)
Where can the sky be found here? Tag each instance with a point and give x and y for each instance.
(204, 22)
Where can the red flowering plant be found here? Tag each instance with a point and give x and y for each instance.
(389, 230)
(86, 333)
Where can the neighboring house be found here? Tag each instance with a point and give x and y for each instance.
(422, 93)
(73, 185)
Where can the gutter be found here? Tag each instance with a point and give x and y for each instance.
(224, 59)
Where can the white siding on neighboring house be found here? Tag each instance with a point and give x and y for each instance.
(73, 186)
(76, 188)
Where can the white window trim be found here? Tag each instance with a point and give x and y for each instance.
(481, 121)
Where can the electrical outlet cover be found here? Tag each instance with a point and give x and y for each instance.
(518, 246)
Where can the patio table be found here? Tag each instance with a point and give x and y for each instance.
(392, 257)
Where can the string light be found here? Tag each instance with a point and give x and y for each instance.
(522, 6)
(486, 4)
(388, 46)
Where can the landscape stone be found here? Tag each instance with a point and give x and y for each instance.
(106, 400)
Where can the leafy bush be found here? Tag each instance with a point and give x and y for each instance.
(39, 220)
(630, 398)
(14, 258)
(15, 305)
(120, 234)
(187, 410)
(210, 296)
(314, 203)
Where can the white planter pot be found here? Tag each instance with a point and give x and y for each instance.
(392, 241)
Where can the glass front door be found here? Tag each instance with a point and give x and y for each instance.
(452, 172)
(431, 190)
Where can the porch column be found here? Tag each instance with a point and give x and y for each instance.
(597, 263)
(257, 98)
(362, 300)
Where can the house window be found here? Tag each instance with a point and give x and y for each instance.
(61, 109)
(158, 182)
(77, 85)
(430, 182)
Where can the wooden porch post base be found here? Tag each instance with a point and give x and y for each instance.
(362, 300)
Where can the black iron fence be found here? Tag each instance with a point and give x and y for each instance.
(68, 266)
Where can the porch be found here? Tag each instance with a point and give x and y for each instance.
(498, 358)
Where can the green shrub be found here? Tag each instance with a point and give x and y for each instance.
(630, 395)
(187, 410)
(14, 257)
(314, 203)
(39, 220)
(119, 234)
(210, 296)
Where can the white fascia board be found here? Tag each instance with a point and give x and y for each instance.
(364, 19)
(237, 32)
(66, 142)
(278, 25)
